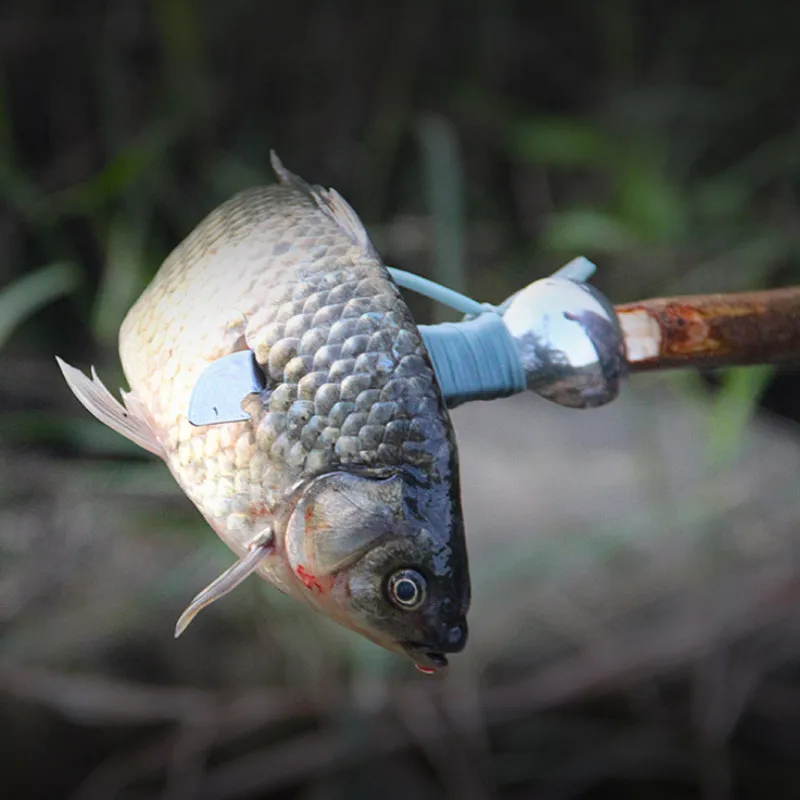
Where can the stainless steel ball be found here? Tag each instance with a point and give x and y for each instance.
(569, 341)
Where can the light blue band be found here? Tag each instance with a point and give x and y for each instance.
(441, 294)
(474, 360)
(579, 269)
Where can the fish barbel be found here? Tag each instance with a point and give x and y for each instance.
(342, 487)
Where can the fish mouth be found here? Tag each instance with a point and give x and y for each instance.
(430, 656)
(425, 659)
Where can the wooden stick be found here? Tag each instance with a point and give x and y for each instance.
(714, 330)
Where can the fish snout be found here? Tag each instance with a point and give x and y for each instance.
(430, 655)
(454, 638)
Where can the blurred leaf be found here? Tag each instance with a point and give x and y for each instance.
(123, 278)
(771, 160)
(735, 405)
(84, 433)
(588, 231)
(181, 31)
(649, 202)
(130, 164)
(561, 142)
(28, 294)
(720, 199)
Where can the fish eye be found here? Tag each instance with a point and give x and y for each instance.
(407, 589)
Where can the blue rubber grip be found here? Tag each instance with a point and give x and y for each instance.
(474, 360)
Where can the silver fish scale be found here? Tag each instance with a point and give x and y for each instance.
(293, 277)
(347, 373)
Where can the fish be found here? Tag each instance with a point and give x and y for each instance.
(339, 483)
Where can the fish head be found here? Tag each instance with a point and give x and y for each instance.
(385, 555)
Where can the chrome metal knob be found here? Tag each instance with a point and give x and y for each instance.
(569, 341)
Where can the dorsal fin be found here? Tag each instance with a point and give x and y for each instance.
(331, 203)
(129, 420)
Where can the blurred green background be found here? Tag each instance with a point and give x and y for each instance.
(483, 144)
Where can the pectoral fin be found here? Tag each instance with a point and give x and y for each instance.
(228, 581)
(126, 419)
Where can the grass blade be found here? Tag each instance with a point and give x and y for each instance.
(26, 295)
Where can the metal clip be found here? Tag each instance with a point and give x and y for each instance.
(218, 394)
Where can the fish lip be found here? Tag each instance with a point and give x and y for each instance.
(425, 657)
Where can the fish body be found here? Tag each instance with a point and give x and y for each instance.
(345, 475)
